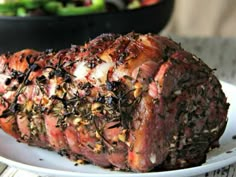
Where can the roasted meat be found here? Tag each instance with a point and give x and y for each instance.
(133, 102)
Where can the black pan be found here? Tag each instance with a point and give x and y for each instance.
(45, 32)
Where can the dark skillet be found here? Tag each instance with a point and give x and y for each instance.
(43, 32)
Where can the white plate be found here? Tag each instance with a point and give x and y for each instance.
(50, 163)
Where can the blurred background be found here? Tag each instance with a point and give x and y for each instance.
(207, 29)
(203, 18)
(57, 24)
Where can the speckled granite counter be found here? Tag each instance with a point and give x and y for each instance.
(218, 53)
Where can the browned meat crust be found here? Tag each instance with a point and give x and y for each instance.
(132, 102)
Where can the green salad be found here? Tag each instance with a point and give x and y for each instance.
(24, 8)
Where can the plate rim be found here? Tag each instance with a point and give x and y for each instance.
(198, 169)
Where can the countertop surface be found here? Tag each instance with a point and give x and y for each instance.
(219, 53)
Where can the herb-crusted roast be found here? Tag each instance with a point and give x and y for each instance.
(132, 102)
